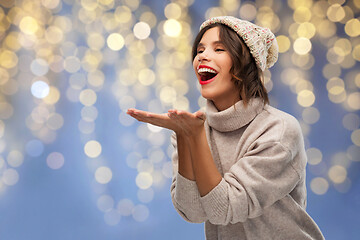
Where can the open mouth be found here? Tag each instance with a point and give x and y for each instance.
(207, 74)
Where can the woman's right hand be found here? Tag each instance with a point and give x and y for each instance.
(160, 120)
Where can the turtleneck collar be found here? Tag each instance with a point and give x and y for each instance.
(233, 117)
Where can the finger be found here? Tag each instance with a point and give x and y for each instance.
(201, 115)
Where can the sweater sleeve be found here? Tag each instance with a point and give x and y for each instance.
(265, 174)
(184, 193)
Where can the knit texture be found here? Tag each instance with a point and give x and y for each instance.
(261, 41)
(260, 153)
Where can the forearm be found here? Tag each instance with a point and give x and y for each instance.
(185, 164)
(206, 173)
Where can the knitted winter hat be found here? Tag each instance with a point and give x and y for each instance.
(261, 41)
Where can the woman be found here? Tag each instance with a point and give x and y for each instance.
(240, 168)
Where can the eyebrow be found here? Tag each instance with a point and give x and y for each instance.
(213, 43)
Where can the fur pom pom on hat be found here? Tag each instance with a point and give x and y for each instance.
(261, 41)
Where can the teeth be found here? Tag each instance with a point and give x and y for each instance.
(201, 70)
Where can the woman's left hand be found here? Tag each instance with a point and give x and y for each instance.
(180, 121)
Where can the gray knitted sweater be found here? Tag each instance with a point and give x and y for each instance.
(260, 154)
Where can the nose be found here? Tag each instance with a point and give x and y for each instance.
(203, 56)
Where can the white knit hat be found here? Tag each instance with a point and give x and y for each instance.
(261, 41)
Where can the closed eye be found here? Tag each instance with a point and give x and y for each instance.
(219, 50)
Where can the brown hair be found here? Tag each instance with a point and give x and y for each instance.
(247, 76)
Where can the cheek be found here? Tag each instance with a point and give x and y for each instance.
(194, 63)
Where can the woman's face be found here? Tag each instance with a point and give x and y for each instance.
(212, 66)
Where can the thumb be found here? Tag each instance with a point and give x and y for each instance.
(201, 115)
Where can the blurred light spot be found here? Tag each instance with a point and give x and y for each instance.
(168, 94)
(344, 186)
(144, 180)
(86, 127)
(125, 207)
(89, 113)
(326, 28)
(34, 148)
(342, 47)
(127, 102)
(89, 5)
(248, 11)
(8, 59)
(50, 4)
(302, 45)
(112, 217)
(355, 137)
(335, 86)
(10, 177)
(77, 81)
(95, 41)
(283, 42)
(122, 14)
(145, 166)
(353, 152)
(96, 78)
(146, 77)
(230, 5)
(142, 30)
(310, 115)
(214, 12)
(4, 76)
(55, 160)
(352, 27)
(40, 114)
(356, 53)
(156, 155)
(115, 41)
(10, 87)
(172, 28)
(40, 89)
(88, 97)
(28, 25)
(6, 110)
(314, 156)
(55, 121)
(154, 128)
(133, 4)
(172, 10)
(306, 98)
(15, 158)
(140, 213)
(337, 174)
(335, 13)
(103, 175)
(53, 96)
(306, 30)
(149, 18)
(351, 121)
(133, 159)
(54, 35)
(167, 169)
(92, 149)
(157, 139)
(125, 119)
(302, 14)
(353, 101)
(319, 185)
(145, 195)
(105, 203)
(72, 64)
